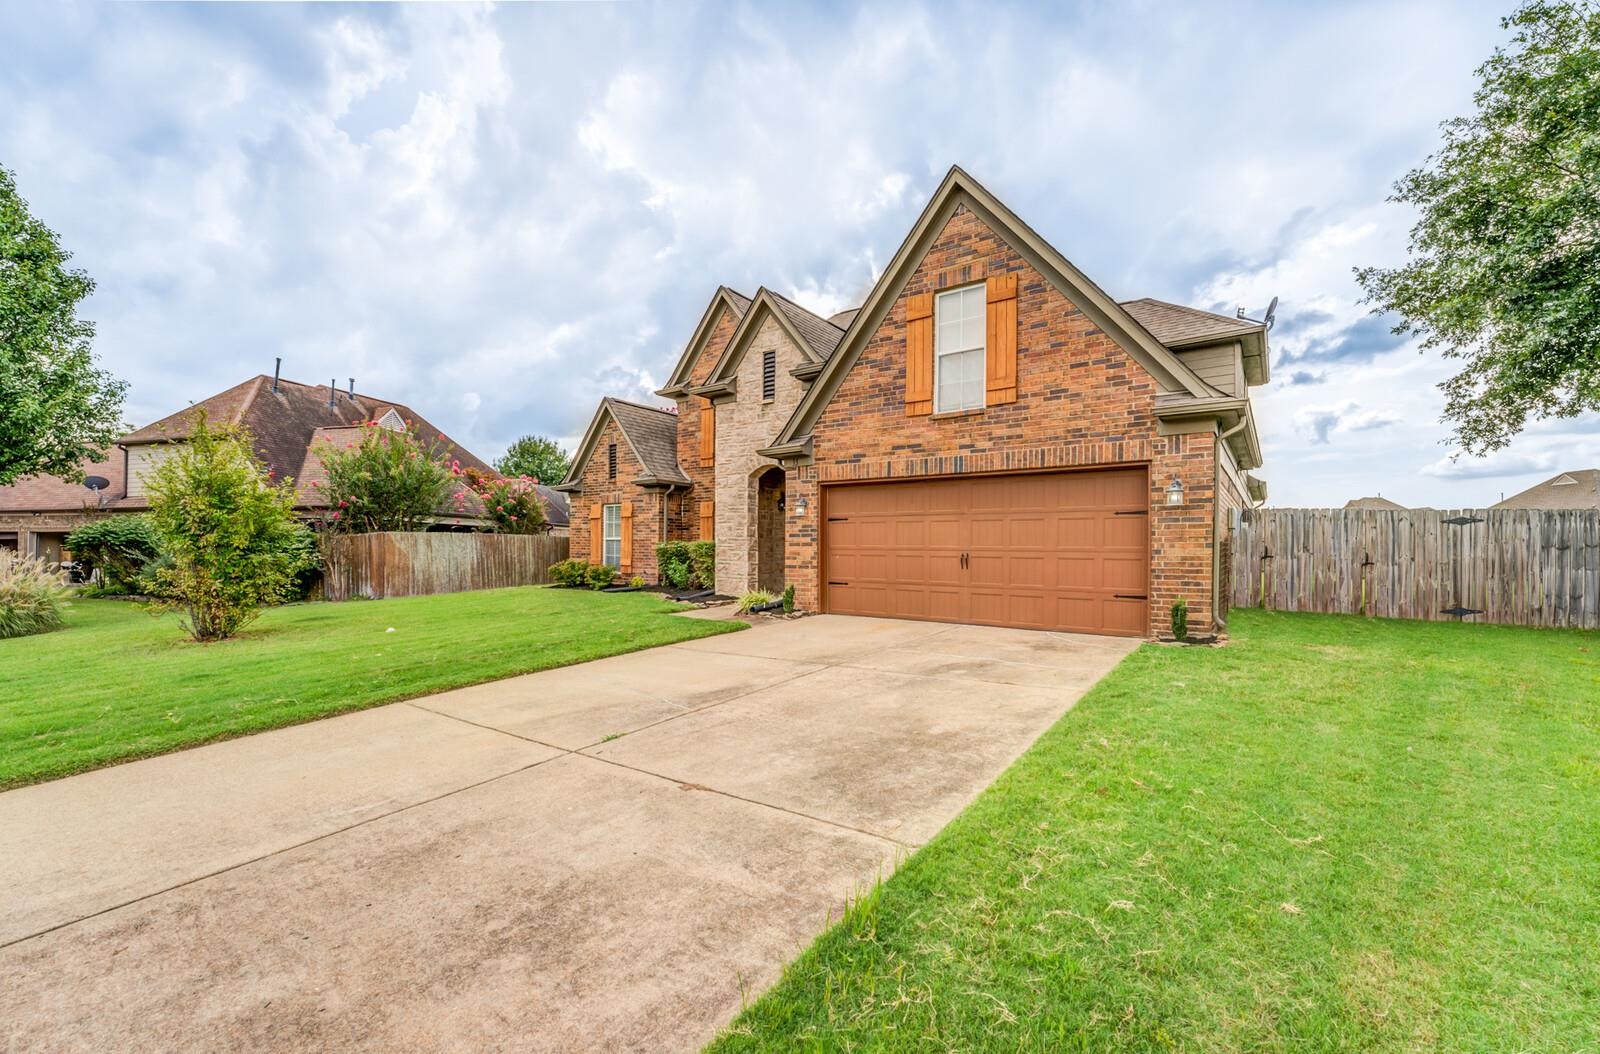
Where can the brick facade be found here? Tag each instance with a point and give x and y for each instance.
(651, 508)
(745, 424)
(1081, 401)
(702, 477)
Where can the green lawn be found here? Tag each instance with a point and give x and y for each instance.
(120, 683)
(1334, 834)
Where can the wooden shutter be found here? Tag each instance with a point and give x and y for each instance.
(626, 559)
(708, 521)
(708, 434)
(919, 354)
(1001, 364)
(597, 533)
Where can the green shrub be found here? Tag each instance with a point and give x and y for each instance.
(1180, 619)
(754, 600)
(298, 546)
(386, 481)
(232, 534)
(703, 564)
(118, 547)
(570, 573)
(637, 582)
(687, 565)
(788, 599)
(672, 560)
(30, 595)
(601, 575)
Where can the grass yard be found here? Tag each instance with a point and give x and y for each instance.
(1335, 834)
(119, 683)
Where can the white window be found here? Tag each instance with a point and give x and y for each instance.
(958, 349)
(611, 535)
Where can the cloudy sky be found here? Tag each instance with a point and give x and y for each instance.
(500, 214)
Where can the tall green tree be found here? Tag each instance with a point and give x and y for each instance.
(56, 408)
(537, 457)
(232, 535)
(1504, 264)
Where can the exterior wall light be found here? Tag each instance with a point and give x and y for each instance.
(800, 506)
(1175, 491)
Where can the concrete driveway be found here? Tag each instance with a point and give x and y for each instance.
(604, 857)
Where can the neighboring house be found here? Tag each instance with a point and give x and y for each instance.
(1378, 502)
(285, 418)
(556, 511)
(988, 438)
(1578, 489)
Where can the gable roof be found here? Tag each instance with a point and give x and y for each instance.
(1170, 373)
(1178, 326)
(557, 511)
(723, 299)
(651, 432)
(1582, 492)
(815, 336)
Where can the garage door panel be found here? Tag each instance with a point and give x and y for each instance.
(1041, 550)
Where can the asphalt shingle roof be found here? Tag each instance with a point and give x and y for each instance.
(1176, 324)
(820, 333)
(1582, 493)
(653, 434)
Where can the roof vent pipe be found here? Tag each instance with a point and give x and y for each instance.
(352, 389)
(277, 368)
(333, 390)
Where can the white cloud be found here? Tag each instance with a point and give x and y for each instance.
(500, 214)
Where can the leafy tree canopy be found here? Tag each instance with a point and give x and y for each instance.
(387, 480)
(56, 408)
(537, 457)
(1504, 266)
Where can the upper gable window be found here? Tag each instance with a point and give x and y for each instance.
(392, 421)
(958, 351)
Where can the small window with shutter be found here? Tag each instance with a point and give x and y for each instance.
(769, 375)
(611, 461)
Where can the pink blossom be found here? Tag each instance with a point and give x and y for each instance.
(336, 515)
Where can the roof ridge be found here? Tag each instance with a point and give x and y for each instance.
(802, 307)
(1191, 310)
(641, 406)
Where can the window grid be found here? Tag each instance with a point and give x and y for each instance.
(959, 349)
(611, 535)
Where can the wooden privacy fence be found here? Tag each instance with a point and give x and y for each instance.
(1525, 567)
(408, 564)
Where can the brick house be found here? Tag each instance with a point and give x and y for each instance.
(988, 438)
(286, 419)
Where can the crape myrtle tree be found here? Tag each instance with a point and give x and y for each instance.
(1503, 271)
(57, 410)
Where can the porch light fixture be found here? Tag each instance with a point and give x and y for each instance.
(800, 506)
(1175, 491)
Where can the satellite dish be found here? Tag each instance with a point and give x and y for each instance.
(1272, 313)
(97, 483)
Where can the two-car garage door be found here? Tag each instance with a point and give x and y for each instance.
(1064, 551)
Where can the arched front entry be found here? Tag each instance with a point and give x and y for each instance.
(770, 569)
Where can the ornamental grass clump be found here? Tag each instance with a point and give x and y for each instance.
(31, 592)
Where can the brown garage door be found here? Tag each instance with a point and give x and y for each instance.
(1065, 551)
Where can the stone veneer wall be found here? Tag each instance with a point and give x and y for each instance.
(745, 424)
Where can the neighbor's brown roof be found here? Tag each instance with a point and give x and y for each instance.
(284, 425)
(1582, 493)
(54, 494)
(653, 434)
(822, 334)
(1176, 324)
(1377, 502)
(843, 318)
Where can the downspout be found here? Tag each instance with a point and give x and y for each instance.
(1216, 513)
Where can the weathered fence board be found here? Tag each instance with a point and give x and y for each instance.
(406, 564)
(1529, 567)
